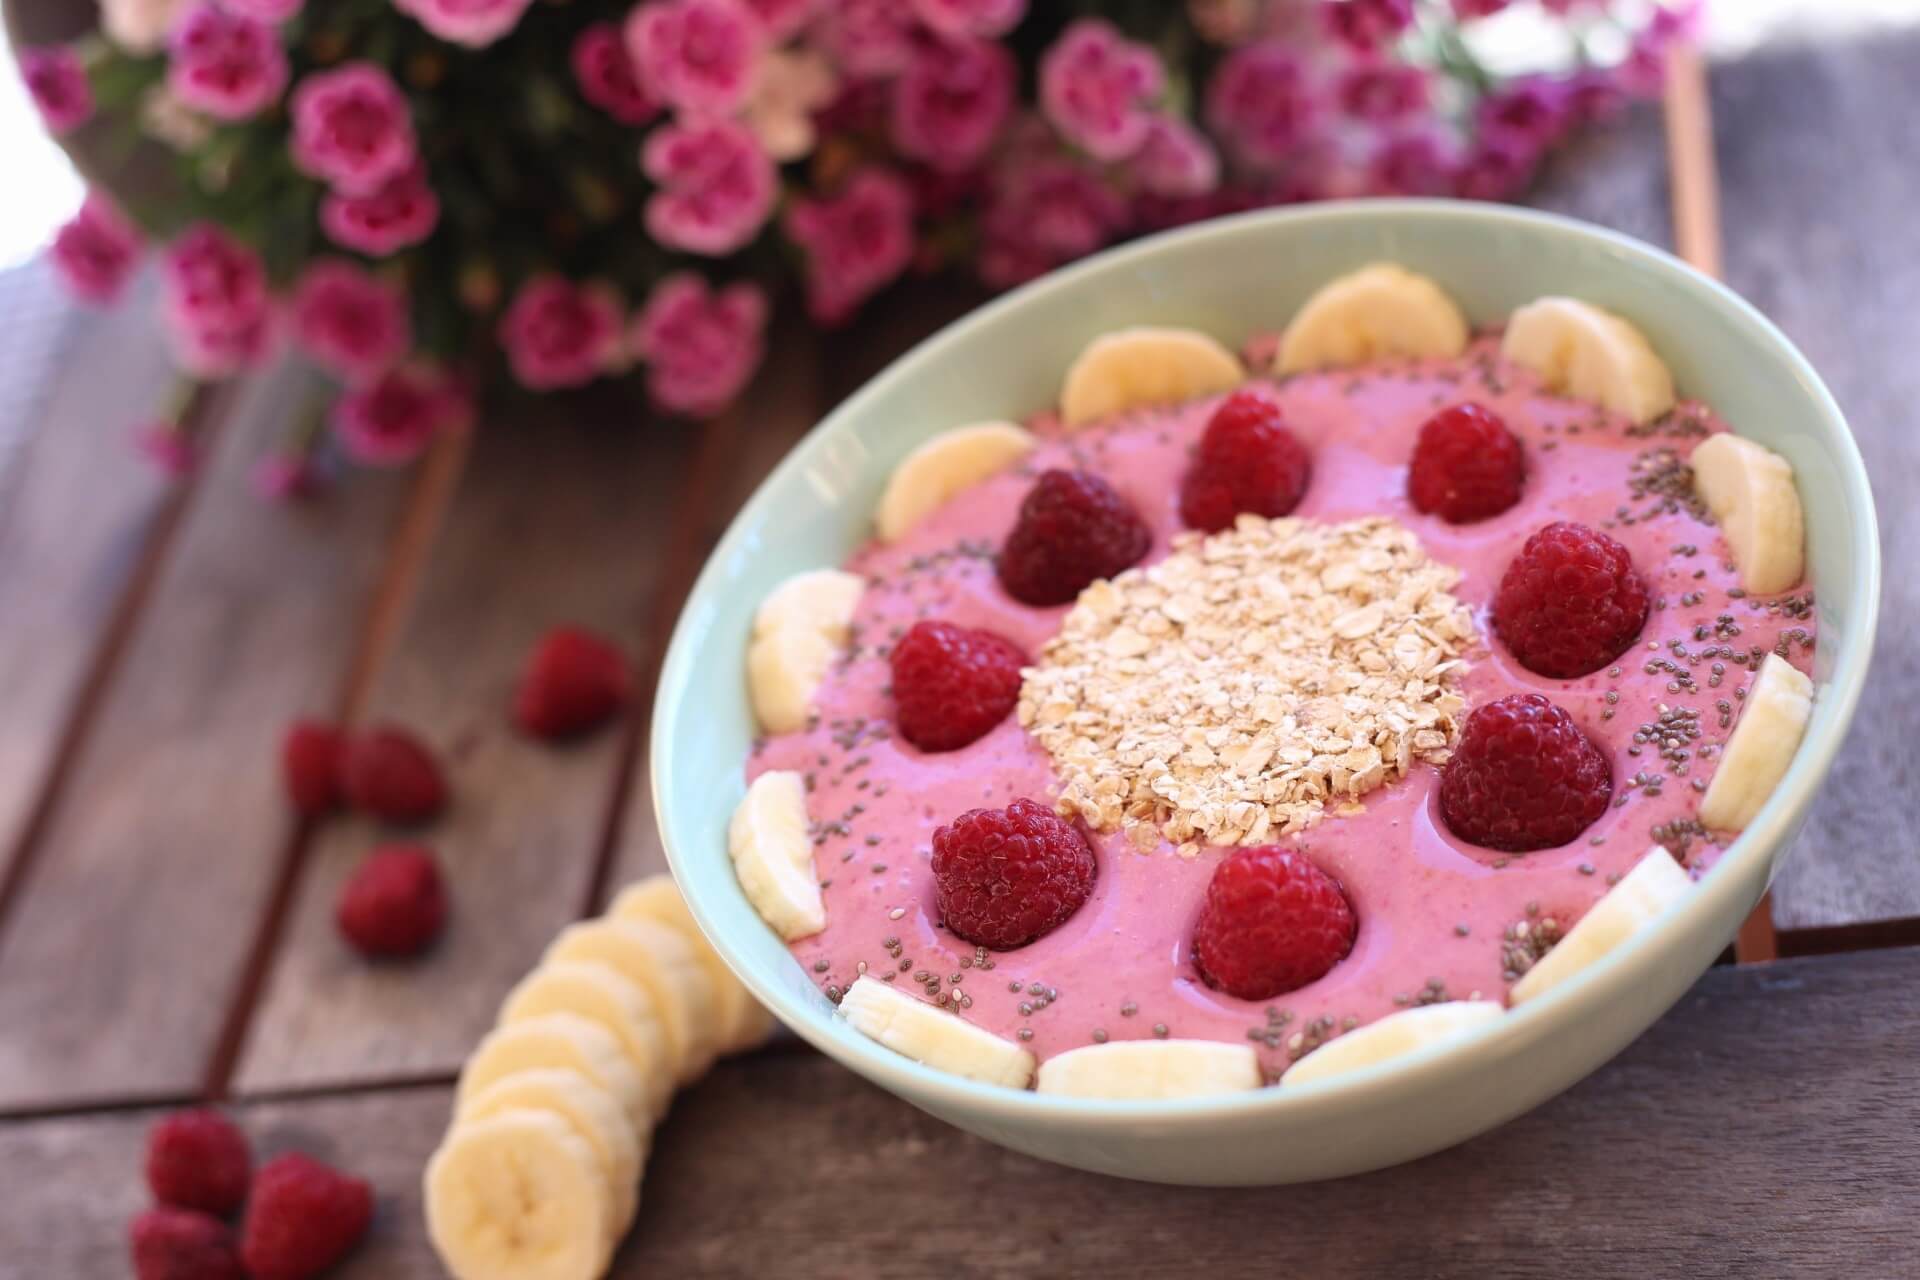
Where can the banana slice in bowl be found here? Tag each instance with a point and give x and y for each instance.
(1656, 883)
(1394, 1036)
(917, 1030)
(800, 628)
(1772, 721)
(1380, 311)
(773, 855)
(1582, 351)
(1151, 1069)
(1143, 366)
(1750, 490)
(943, 466)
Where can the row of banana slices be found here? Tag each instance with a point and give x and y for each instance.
(538, 1176)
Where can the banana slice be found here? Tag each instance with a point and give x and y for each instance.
(1376, 312)
(739, 1020)
(1761, 746)
(655, 957)
(799, 629)
(1655, 884)
(592, 1112)
(942, 467)
(519, 1196)
(1151, 1069)
(1394, 1036)
(932, 1036)
(1581, 351)
(599, 993)
(562, 1040)
(773, 856)
(1749, 488)
(1134, 368)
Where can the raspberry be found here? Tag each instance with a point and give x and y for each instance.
(1523, 777)
(1570, 602)
(952, 684)
(1466, 465)
(198, 1160)
(574, 681)
(390, 774)
(310, 765)
(1004, 877)
(304, 1218)
(395, 904)
(1272, 922)
(182, 1244)
(1073, 529)
(1248, 461)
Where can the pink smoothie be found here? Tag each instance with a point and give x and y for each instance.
(1434, 914)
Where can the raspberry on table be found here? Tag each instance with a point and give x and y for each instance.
(305, 1216)
(1570, 602)
(391, 774)
(1466, 466)
(1247, 461)
(395, 903)
(953, 684)
(1272, 922)
(1073, 529)
(1005, 877)
(310, 757)
(198, 1159)
(170, 1243)
(574, 681)
(1524, 777)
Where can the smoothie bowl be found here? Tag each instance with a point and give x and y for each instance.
(1277, 699)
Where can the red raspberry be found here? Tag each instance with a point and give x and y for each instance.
(1247, 461)
(1272, 922)
(575, 681)
(198, 1160)
(1073, 529)
(1570, 602)
(1466, 465)
(395, 904)
(390, 774)
(304, 1218)
(1523, 777)
(182, 1244)
(952, 684)
(1004, 877)
(310, 765)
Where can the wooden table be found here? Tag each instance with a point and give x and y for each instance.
(165, 932)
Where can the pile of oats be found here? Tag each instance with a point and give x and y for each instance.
(1231, 692)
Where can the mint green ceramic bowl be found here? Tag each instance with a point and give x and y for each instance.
(1232, 278)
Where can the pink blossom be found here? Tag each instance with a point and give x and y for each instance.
(474, 23)
(270, 11)
(606, 76)
(403, 212)
(1467, 10)
(1382, 91)
(1175, 160)
(782, 18)
(1412, 164)
(701, 346)
(986, 18)
(856, 242)
(350, 322)
(58, 83)
(700, 55)
(952, 101)
(792, 88)
(1260, 101)
(1497, 168)
(284, 476)
(224, 64)
(167, 447)
(219, 316)
(717, 186)
(559, 334)
(1094, 87)
(352, 128)
(870, 37)
(395, 417)
(1530, 112)
(96, 252)
(1365, 25)
(1044, 214)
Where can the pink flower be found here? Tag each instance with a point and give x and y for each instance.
(1044, 214)
(473, 23)
(792, 88)
(697, 54)
(167, 447)
(559, 334)
(352, 128)
(986, 18)
(401, 213)
(271, 11)
(1382, 91)
(1094, 84)
(395, 417)
(1365, 25)
(96, 252)
(1530, 112)
(1261, 102)
(1413, 164)
(58, 83)
(606, 75)
(782, 18)
(215, 301)
(1467, 10)
(229, 66)
(870, 37)
(717, 186)
(952, 101)
(351, 323)
(856, 242)
(1175, 160)
(701, 346)
(1495, 169)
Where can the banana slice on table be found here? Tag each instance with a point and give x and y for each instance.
(1151, 1069)
(655, 957)
(1643, 894)
(740, 1021)
(557, 1040)
(1394, 1036)
(798, 631)
(1581, 351)
(1137, 367)
(918, 1030)
(942, 467)
(597, 992)
(773, 855)
(1376, 312)
(519, 1196)
(1750, 490)
(1762, 745)
(592, 1112)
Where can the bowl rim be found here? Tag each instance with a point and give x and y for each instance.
(1760, 842)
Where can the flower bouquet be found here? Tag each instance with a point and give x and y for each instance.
(437, 199)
